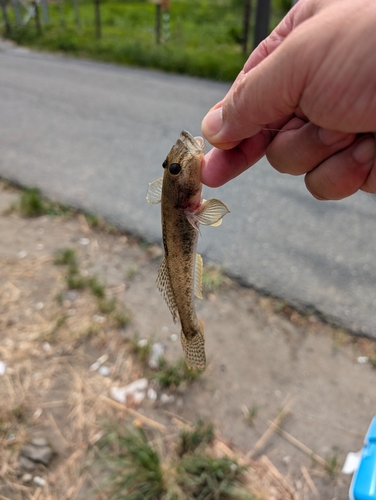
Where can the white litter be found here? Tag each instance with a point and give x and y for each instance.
(152, 394)
(362, 360)
(136, 390)
(351, 463)
(98, 363)
(104, 371)
(157, 352)
(39, 481)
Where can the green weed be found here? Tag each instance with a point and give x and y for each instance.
(190, 440)
(96, 287)
(32, 204)
(203, 477)
(107, 306)
(66, 257)
(136, 466)
(250, 413)
(174, 375)
(212, 279)
(122, 317)
(332, 463)
(141, 348)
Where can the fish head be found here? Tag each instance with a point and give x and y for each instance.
(182, 171)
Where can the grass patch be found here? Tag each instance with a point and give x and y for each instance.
(143, 469)
(174, 375)
(136, 469)
(212, 279)
(190, 440)
(33, 204)
(204, 39)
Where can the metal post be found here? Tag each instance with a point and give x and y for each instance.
(37, 18)
(246, 18)
(17, 12)
(8, 29)
(98, 31)
(262, 21)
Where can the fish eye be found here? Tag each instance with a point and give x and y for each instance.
(175, 168)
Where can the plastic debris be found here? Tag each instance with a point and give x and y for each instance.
(362, 360)
(157, 352)
(135, 390)
(351, 463)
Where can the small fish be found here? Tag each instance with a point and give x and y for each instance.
(183, 209)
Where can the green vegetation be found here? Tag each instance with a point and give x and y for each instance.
(190, 440)
(212, 278)
(32, 204)
(143, 469)
(174, 375)
(203, 39)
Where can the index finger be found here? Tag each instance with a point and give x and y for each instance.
(220, 166)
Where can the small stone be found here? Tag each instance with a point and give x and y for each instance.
(26, 478)
(39, 481)
(99, 319)
(39, 306)
(152, 394)
(165, 398)
(174, 337)
(25, 463)
(22, 254)
(157, 352)
(37, 450)
(84, 241)
(46, 346)
(104, 371)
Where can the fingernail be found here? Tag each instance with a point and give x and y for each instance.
(212, 123)
(330, 137)
(365, 150)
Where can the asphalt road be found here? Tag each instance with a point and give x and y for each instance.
(93, 135)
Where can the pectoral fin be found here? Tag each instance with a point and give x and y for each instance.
(211, 212)
(164, 286)
(154, 193)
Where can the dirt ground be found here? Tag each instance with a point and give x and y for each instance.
(262, 355)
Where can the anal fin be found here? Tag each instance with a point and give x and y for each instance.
(164, 286)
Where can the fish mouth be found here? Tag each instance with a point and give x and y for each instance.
(195, 145)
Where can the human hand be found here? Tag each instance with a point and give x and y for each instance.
(306, 98)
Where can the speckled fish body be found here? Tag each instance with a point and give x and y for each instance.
(183, 209)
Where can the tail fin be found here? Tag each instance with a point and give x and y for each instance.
(194, 349)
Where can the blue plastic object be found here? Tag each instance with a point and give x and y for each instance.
(363, 484)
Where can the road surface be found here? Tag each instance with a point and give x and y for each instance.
(93, 135)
